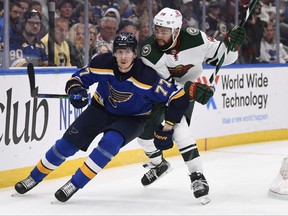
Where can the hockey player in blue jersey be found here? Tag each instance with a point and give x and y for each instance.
(119, 109)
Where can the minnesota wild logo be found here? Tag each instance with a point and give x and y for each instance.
(146, 50)
(192, 31)
(180, 70)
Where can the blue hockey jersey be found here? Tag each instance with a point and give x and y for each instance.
(131, 93)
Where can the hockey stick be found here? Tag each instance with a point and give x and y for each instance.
(248, 12)
(34, 90)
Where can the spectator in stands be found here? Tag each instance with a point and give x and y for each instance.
(139, 10)
(61, 47)
(1, 9)
(76, 44)
(92, 40)
(24, 6)
(79, 14)
(175, 4)
(125, 9)
(26, 47)
(250, 49)
(189, 18)
(268, 47)
(65, 10)
(128, 26)
(36, 5)
(108, 27)
(268, 11)
(144, 31)
(213, 17)
(283, 29)
(100, 6)
(14, 20)
(112, 12)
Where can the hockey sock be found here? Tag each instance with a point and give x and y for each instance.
(107, 148)
(151, 152)
(54, 157)
(191, 157)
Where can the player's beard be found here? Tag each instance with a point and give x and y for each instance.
(165, 46)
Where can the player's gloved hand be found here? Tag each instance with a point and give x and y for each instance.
(234, 38)
(163, 139)
(79, 103)
(198, 91)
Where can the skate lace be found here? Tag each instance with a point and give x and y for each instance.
(29, 182)
(151, 174)
(199, 184)
(68, 188)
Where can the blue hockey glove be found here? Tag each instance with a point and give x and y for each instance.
(234, 38)
(163, 139)
(198, 91)
(79, 103)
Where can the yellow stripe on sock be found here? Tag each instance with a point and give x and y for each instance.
(42, 168)
(87, 171)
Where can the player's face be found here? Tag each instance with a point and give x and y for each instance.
(163, 35)
(124, 59)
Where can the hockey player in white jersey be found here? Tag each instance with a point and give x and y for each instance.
(177, 53)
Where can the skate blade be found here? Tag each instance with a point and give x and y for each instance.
(15, 194)
(204, 200)
(276, 195)
(56, 202)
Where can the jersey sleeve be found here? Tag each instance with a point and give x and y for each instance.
(214, 51)
(173, 96)
(89, 75)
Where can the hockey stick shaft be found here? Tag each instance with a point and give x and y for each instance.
(34, 90)
(248, 12)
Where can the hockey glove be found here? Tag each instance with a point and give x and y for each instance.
(163, 139)
(234, 38)
(198, 92)
(79, 103)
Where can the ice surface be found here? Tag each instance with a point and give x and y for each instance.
(239, 179)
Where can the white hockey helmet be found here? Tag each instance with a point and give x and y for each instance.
(169, 18)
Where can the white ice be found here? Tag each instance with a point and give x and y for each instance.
(239, 179)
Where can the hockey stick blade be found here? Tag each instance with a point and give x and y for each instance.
(248, 13)
(34, 90)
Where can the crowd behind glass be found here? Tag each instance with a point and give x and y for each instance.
(30, 37)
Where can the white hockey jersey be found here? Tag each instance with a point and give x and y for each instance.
(185, 61)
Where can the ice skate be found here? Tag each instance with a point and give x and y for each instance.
(25, 185)
(200, 187)
(155, 172)
(66, 192)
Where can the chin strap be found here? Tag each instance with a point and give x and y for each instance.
(174, 41)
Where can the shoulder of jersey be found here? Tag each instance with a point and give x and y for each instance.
(190, 37)
(144, 74)
(150, 50)
(103, 61)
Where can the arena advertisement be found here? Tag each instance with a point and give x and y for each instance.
(246, 100)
